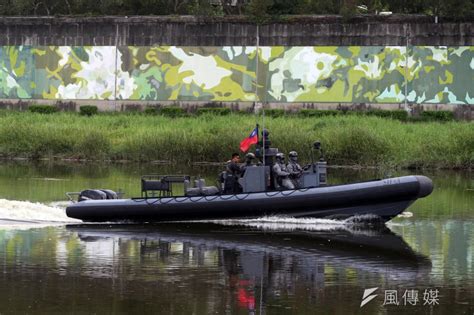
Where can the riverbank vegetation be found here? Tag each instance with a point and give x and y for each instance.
(347, 139)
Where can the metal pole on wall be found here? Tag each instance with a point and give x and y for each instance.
(256, 92)
(406, 66)
(116, 66)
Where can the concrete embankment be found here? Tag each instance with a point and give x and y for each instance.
(397, 30)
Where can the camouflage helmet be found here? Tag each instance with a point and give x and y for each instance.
(293, 154)
(280, 156)
(250, 156)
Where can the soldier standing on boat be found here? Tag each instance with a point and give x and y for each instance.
(281, 173)
(249, 158)
(232, 174)
(294, 168)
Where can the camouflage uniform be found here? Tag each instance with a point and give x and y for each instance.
(294, 168)
(281, 173)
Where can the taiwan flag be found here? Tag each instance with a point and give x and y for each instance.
(252, 139)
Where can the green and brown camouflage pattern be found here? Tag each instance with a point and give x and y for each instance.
(344, 74)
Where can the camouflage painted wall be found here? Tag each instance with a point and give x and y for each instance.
(360, 74)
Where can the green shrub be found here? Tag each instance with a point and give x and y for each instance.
(132, 109)
(43, 109)
(88, 110)
(438, 115)
(172, 111)
(399, 114)
(274, 112)
(221, 111)
(376, 112)
(150, 110)
(417, 119)
(244, 112)
(319, 112)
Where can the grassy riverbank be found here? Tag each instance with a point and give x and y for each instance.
(347, 140)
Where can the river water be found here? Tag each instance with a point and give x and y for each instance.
(421, 262)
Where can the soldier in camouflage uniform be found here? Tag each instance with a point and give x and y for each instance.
(281, 173)
(231, 175)
(294, 168)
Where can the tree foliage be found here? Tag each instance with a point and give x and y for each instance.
(257, 9)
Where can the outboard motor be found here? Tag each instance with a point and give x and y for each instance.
(97, 194)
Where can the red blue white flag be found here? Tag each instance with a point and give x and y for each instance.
(247, 142)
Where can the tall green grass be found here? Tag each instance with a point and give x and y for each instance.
(347, 140)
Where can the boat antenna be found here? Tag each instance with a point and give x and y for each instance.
(256, 93)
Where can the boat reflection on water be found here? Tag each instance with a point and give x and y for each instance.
(262, 260)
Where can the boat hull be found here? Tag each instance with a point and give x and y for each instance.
(383, 198)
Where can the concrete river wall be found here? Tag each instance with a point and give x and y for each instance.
(394, 61)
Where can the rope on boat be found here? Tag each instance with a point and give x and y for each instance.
(229, 198)
(212, 198)
(272, 194)
(290, 193)
(245, 197)
(284, 192)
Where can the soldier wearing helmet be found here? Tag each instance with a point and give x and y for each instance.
(281, 173)
(231, 175)
(294, 168)
(249, 158)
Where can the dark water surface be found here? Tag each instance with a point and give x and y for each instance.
(52, 264)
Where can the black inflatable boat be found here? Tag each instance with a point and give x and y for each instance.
(259, 195)
(383, 198)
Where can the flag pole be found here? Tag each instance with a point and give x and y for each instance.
(256, 95)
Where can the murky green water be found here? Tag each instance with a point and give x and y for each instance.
(267, 266)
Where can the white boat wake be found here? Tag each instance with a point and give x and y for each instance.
(15, 214)
(282, 223)
(285, 223)
(24, 213)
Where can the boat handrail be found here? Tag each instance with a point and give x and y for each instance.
(167, 178)
(161, 184)
(70, 196)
